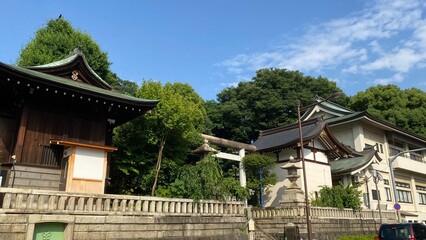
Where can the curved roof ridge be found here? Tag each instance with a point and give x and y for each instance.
(365, 114)
(347, 165)
(290, 126)
(80, 86)
(333, 105)
(57, 63)
(72, 56)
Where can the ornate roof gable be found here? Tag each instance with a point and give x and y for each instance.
(326, 110)
(287, 136)
(75, 68)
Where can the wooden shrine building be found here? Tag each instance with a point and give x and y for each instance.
(56, 123)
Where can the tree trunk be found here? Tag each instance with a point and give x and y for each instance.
(158, 166)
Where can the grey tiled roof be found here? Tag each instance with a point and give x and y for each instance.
(282, 137)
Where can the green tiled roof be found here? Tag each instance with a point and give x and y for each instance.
(57, 63)
(347, 165)
(336, 107)
(343, 118)
(67, 60)
(43, 78)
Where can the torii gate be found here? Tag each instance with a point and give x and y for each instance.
(242, 147)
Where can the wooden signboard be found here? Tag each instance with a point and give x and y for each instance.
(83, 167)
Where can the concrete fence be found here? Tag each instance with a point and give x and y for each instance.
(326, 223)
(321, 212)
(23, 212)
(30, 200)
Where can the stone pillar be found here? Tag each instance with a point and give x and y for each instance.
(243, 181)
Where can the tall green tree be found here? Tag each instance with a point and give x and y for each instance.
(404, 108)
(180, 116)
(153, 148)
(57, 39)
(268, 101)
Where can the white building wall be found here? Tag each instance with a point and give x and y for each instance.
(318, 174)
(273, 194)
(286, 153)
(344, 134)
(359, 133)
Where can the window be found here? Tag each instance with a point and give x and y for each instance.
(366, 200)
(381, 148)
(393, 151)
(388, 194)
(376, 195)
(398, 144)
(386, 182)
(404, 196)
(338, 181)
(416, 156)
(422, 198)
(401, 184)
(355, 179)
(421, 188)
(396, 147)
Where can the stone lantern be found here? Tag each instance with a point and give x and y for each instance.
(293, 196)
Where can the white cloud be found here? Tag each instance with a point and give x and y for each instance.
(400, 61)
(232, 84)
(397, 78)
(390, 35)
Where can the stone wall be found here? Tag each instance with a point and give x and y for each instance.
(326, 223)
(21, 226)
(32, 177)
(321, 228)
(24, 212)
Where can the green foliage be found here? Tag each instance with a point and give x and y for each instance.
(404, 108)
(339, 197)
(204, 180)
(56, 40)
(252, 164)
(154, 147)
(180, 111)
(357, 237)
(266, 102)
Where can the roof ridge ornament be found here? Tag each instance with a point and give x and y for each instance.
(74, 75)
(77, 51)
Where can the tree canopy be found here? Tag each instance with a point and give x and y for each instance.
(268, 101)
(56, 40)
(159, 142)
(404, 108)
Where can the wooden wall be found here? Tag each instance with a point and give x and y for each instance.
(7, 133)
(38, 127)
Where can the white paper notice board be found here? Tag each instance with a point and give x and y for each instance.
(89, 163)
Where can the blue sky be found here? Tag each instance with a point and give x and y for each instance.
(214, 44)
